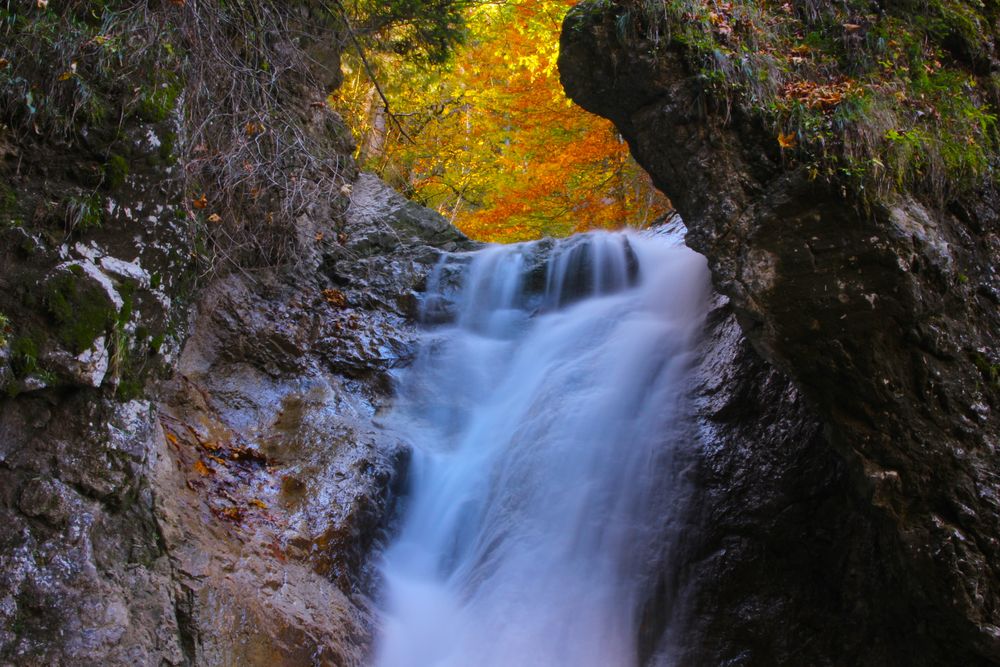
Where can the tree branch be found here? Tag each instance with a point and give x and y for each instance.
(370, 70)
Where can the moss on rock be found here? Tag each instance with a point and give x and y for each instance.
(884, 101)
(159, 100)
(8, 199)
(24, 356)
(81, 308)
(115, 172)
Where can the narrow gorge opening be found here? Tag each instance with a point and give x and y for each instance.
(546, 410)
(487, 136)
(547, 407)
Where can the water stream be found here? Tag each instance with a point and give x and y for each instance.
(545, 419)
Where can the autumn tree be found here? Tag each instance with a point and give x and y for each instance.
(488, 137)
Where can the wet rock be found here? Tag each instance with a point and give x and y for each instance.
(234, 521)
(84, 303)
(84, 578)
(274, 444)
(380, 217)
(87, 369)
(877, 317)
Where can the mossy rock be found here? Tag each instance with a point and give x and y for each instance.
(8, 199)
(115, 172)
(167, 152)
(159, 100)
(83, 303)
(24, 356)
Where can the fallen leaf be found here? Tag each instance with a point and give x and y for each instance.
(851, 27)
(335, 297)
(786, 140)
(200, 202)
(202, 469)
(231, 513)
(259, 504)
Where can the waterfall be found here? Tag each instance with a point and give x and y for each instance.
(545, 415)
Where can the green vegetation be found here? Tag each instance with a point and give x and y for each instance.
(156, 342)
(159, 99)
(24, 353)
(5, 329)
(230, 71)
(83, 213)
(990, 372)
(882, 101)
(115, 172)
(8, 198)
(9, 214)
(77, 65)
(81, 309)
(24, 356)
(421, 30)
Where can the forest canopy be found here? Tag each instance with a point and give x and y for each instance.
(465, 114)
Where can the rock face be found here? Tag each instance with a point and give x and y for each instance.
(765, 563)
(94, 303)
(887, 321)
(232, 519)
(191, 466)
(278, 479)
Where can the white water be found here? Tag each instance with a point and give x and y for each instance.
(544, 427)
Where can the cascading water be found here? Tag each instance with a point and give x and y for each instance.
(544, 421)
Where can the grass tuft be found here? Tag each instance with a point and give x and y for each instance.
(883, 100)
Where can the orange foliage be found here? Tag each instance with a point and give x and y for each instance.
(498, 148)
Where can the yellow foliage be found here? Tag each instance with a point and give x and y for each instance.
(496, 146)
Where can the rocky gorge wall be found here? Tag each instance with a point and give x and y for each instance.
(886, 321)
(223, 512)
(191, 466)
